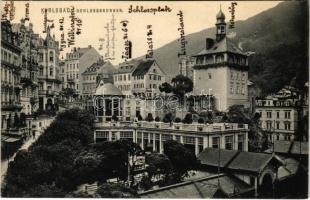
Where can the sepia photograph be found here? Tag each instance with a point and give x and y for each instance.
(154, 99)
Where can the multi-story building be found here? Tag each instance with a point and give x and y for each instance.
(279, 114)
(99, 70)
(139, 81)
(221, 69)
(29, 66)
(110, 108)
(48, 78)
(76, 62)
(186, 64)
(10, 80)
(152, 135)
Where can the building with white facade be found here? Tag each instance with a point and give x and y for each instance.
(112, 124)
(76, 62)
(279, 114)
(139, 81)
(221, 69)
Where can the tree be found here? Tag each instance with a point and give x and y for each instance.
(116, 190)
(181, 85)
(167, 118)
(149, 117)
(257, 137)
(139, 117)
(188, 119)
(158, 164)
(114, 160)
(157, 119)
(166, 88)
(201, 121)
(182, 159)
(177, 120)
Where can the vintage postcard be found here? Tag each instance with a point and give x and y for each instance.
(154, 99)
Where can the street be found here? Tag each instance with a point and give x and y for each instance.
(26, 145)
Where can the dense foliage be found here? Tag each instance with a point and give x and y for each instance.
(181, 158)
(64, 157)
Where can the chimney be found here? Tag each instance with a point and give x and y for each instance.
(209, 43)
(89, 46)
(74, 49)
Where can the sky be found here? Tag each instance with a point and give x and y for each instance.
(196, 15)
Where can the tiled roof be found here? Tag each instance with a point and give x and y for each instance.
(100, 67)
(128, 66)
(291, 147)
(224, 45)
(250, 161)
(209, 156)
(235, 160)
(143, 67)
(203, 188)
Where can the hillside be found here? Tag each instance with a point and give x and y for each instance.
(278, 36)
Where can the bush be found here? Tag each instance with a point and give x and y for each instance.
(149, 117)
(139, 117)
(188, 119)
(167, 118)
(177, 120)
(157, 119)
(201, 121)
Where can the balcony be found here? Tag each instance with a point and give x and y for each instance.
(7, 106)
(47, 92)
(71, 80)
(175, 126)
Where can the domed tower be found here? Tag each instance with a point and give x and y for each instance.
(220, 25)
(221, 69)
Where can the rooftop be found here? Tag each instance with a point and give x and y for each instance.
(224, 45)
(203, 188)
(107, 89)
(235, 160)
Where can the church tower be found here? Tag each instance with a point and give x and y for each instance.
(221, 69)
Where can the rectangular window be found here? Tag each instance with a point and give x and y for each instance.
(210, 76)
(287, 114)
(240, 142)
(215, 142)
(278, 114)
(278, 125)
(229, 142)
(269, 115)
(287, 126)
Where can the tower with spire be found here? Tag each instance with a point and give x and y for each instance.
(220, 25)
(221, 69)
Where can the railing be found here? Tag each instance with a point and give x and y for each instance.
(10, 106)
(177, 126)
(47, 92)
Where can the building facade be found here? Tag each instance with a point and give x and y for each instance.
(48, 78)
(99, 70)
(28, 41)
(279, 114)
(13, 123)
(186, 64)
(76, 62)
(221, 69)
(152, 135)
(139, 81)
